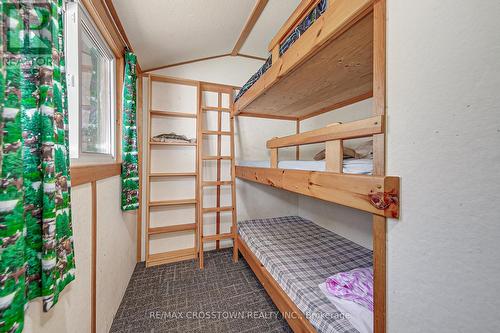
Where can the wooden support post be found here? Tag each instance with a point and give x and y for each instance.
(234, 227)
(139, 163)
(219, 162)
(334, 156)
(199, 172)
(379, 223)
(274, 158)
(297, 148)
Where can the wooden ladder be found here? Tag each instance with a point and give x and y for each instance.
(182, 254)
(218, 182)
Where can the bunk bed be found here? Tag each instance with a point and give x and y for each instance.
(327, 55)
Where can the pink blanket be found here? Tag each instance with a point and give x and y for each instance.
(355, 285)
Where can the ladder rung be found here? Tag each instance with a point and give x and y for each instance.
(171, 228)
(217, 183)
(217, 209)
(217, 237)
(172, 143)
(173, 174)
(216, 132)
(172, 114)
(215, 108)
(212, 158)
(172, 202)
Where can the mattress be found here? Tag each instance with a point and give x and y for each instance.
(294, 35)
(361, 166)
(300, 255)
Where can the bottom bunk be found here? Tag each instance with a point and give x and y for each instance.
(293, 257)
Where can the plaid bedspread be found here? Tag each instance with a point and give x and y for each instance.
(300, 255)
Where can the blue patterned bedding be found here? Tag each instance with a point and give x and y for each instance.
(292, 38)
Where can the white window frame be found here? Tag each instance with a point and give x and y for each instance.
(76, 20)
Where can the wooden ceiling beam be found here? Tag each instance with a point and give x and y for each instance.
(185, 62)
(250, 56)
(250, 23)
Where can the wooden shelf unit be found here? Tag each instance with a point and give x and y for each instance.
(329, 66)
(182, 254)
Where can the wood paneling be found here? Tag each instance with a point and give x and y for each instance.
(374, 194)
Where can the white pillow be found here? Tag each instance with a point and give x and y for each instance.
(360, 317)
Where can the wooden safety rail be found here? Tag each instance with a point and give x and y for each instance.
(374, 194)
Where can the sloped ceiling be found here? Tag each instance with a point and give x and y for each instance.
(164, 32)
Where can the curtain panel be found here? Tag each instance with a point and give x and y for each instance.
(130, 168)
(36, 237)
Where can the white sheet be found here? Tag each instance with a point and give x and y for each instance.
(360, 166)
(359, 317)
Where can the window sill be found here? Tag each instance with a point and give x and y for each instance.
(83, 174)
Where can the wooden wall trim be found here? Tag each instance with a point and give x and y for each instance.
(186, 62)
(93, 269)
(249, 24)
(90, 173)
(104, 22)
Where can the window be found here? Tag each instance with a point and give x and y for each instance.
(91, 90)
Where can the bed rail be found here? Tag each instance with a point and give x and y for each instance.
(298, 14)
(333, 136)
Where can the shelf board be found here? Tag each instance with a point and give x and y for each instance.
(171, 228)
(216, 183)
(159, 113)
(329, 66)
(216, 133)
(215, 108)
(173, 174)
(217, 157)
(217, 209)
(170, 257)
(217, 237)
(155, 143)
(172, 202)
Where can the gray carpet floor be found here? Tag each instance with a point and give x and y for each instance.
(224, 297)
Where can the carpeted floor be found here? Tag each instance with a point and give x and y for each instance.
(224, 297)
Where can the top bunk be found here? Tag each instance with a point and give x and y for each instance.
(321, 59)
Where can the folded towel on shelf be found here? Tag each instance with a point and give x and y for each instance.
(355, 285)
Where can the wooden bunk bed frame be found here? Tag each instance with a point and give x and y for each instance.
(338, 61)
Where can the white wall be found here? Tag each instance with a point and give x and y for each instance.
(443, 140)
(116, 246)
(351, 223)
(253, 200)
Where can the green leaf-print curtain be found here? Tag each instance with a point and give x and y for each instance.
(36, 240)
(130, 173)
